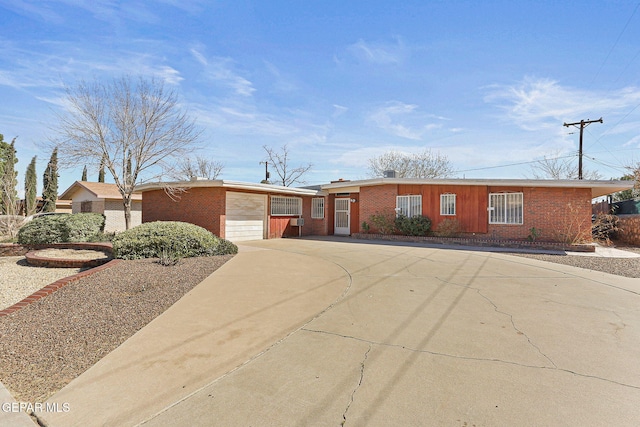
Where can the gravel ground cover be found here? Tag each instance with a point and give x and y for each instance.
(18, 279)
(627, 267)
(53, 340)
(83, 254)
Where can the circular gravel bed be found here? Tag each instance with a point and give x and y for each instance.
(67, 258)
(53, 340)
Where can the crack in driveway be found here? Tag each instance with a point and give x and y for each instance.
(455, 356)
(355, 390)
(513, 324)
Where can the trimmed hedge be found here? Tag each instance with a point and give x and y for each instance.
(81, 227)
(179, 239)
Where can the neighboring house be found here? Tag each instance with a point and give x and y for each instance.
(490, 208)
(62, 206)
(104, 198)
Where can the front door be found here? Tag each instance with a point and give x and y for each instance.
(342, 218)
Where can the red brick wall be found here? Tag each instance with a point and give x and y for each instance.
(200, 206)
(206, 207)
(558, 214)
(376, 199)
(317, 227)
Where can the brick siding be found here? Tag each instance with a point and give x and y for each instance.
(204, 207)
(376, 199)
(114, 215)
(557, 214)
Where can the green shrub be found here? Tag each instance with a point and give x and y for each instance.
(181, 239)
(415, 226)
(448, 227)
(82, 227)
(384, 222)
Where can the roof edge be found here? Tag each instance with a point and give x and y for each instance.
(238, 185)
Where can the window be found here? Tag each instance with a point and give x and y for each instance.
(286, 206)
(409, 205)
(447, 204)
(317, 208)
(505, 208)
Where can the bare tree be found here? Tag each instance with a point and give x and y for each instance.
(557, 166)
(287, 175)
(188, 169)
(425, 164)
(133, 126)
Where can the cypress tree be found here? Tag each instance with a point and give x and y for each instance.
(8, 178)
(30, 188)
(50, 183)
(3, 148)
(101, 171)
(84, 173)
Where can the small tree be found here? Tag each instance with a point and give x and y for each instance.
(30, 188)
(557, 166)
(134, 127)
(627, 194)
(425, 164)
(50, 183)
(84, 173)
(280, 160)
(8, 178)
(199, 168)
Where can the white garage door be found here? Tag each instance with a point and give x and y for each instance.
(245, 216)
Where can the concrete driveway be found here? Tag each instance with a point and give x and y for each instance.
(395, 335)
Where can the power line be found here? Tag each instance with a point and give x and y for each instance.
(615, 43)
(513, 164)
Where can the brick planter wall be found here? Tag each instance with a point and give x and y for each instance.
(12, 249)
(480, 242)
(630, 229)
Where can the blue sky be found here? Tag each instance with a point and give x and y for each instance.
(488, 83)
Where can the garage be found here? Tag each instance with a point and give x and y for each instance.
(246, 216)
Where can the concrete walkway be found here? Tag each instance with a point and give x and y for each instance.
(245, 308)
(418, 336)
(11, 413)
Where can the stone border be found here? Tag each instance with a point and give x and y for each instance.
(15, 249)
(495, 243)
(51, 288)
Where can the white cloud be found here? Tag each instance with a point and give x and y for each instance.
(169, 75)
(220, 70)
(535, 104)
(379, 52)
(198, 56)
(281, 83)
(404, 120)
(338, 110)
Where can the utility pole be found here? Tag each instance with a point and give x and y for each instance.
(266, 172)
(583, 124)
